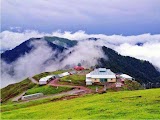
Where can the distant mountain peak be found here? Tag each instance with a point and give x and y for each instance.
(10, 56)
(61, 41)
(139, 44)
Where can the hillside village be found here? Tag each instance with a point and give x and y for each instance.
(100, 79)
(100, 75)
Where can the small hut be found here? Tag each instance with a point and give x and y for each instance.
(79, 67)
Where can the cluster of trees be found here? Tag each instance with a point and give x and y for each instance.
(142, 71)
(150, 85)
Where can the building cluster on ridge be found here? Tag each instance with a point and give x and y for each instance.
(103, 75)
(99, 75)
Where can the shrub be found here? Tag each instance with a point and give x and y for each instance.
(131, 85)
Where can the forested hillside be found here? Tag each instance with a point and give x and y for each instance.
(142, 71)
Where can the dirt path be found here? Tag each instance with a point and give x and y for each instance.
(33, 80)
(55, 84)
(71, 92)
(76, 90)
(15, 99)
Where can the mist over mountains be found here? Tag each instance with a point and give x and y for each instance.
(42, 54)
(39, 55)
(144, 46)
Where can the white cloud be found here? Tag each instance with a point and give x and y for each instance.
(149, 51)
(86, 52)
(9, 39)
(29, 64)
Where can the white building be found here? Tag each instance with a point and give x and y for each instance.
(46, 79)
(100, 75)
(125, 76)
(63, 74)
(31, 96)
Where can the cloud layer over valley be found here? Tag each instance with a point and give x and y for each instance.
(145, 47)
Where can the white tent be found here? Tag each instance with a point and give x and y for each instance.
(31, 96)
(125, 76)
(64, 74)
(46, 79)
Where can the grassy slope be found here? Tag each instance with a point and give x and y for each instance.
(47, 90)
(127, 104)
(93, 87)
(13, 106)
(14, 89)
(76, 79)
(61, 41)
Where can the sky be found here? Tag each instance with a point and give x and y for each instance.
(126, 17)
(119, 24)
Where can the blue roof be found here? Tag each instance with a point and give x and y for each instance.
(102, 71)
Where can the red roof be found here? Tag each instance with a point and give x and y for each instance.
(78, 68)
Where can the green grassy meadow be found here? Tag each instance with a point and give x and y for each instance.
(93, 87)
(35, 102)
(139, 104)
(76, 79)
(47, 90)
(15, 89)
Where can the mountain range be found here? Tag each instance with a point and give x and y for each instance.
(142, 71)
